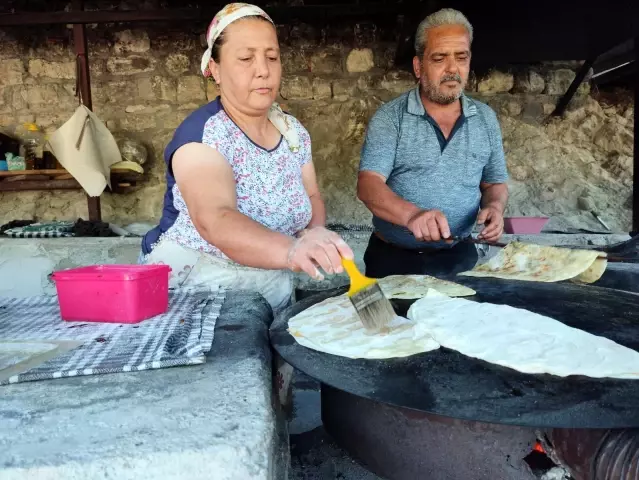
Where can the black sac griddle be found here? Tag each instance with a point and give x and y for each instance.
(444, 416)
(448, 384)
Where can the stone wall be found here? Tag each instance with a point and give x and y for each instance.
(144, 82)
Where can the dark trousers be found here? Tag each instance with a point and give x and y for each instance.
(383, 259)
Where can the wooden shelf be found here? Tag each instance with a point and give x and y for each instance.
(25, 185)
(121, 180)
(15, 173)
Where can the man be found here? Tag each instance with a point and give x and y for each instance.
(433, 163)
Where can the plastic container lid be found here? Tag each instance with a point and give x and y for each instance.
(110, 272)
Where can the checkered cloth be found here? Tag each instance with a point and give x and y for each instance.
(42, 230)
(182, 336)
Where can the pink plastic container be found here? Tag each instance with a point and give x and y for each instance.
(524, 224)
(113, 293)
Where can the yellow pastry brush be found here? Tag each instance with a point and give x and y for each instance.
(372, 306)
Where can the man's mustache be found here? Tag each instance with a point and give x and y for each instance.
(453, 77)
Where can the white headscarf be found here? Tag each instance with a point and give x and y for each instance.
(223, 18)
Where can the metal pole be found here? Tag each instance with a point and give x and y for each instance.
(84, 83)
(635, 183)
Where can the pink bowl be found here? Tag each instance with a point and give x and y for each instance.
(524, 224)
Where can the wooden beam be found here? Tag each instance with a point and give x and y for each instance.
(25, 185)
(310, 12)
(635, 183)
(84, 89)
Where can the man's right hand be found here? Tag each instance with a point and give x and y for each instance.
(429, 226)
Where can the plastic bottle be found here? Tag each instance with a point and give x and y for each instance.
(32, 147)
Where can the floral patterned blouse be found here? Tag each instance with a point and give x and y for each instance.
(269, 183)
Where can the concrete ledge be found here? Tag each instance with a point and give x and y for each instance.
(26, 263)
(211, 421)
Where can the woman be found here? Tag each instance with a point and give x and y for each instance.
(242, 207)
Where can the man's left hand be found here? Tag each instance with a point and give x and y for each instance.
(493, 220)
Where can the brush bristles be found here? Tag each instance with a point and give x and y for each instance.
(373, 307)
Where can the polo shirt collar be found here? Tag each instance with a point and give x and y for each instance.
(416, 107)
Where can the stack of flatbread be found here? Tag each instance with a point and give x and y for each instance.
(529, 262)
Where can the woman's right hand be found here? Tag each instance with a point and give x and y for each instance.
(318, 247)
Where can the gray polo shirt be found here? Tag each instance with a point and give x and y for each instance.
(404, 144)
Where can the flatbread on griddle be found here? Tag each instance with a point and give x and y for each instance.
(333, 326)
(416, 286)
(520, 339)
(539, 263)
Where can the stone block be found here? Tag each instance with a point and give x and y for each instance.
(18, 98)
(131, 41)
(322, 88)
(42, 95)
(177, 63)
(398, 82)
(384, 56)
(360, 60)
(157, 88)
(11, 72)
(14, 119)
(145, 88)
(191, 89)
(520, 173)
(134, 108)
(130, 65)
(513, 107)
(549, 108)
(326, 62)
(56, 70)
(148, 109)
(296, 88)
(529, 82)
(367, 82)
(495, 82)
(97, 67)
(294, 60)
(614, 139)
(344, 88)
(558, 81)
(172, 120)
(138, 122)
(115, 92)
(190, 107)
(165, 88)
